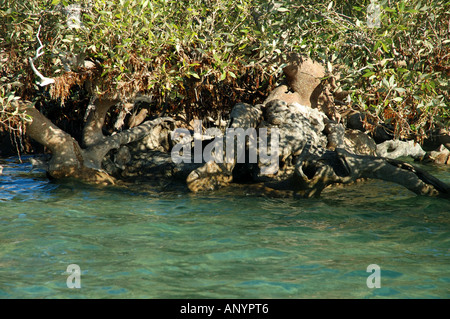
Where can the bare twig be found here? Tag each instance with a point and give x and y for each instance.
(44, 80)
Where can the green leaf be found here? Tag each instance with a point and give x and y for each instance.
(377, 45)
(195, 75)
(281, 9)
(242, 46)
(432, 84)
(392, 81)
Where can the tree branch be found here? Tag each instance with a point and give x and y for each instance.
(95, 153)
(92, 132)
(313, 174)
(65, 150)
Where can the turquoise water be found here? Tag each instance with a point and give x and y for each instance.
(141, 243)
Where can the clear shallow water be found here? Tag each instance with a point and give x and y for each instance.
(139, 243)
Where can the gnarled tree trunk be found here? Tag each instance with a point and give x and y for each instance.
(69, 159)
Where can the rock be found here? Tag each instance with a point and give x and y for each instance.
(299, 127)
(335, 134)
(158, 138)
(314, 116)
(212, 175)
(304, 76)
(395, 149)
(282, 93)
(244, 116)
(157, 166)
(381, 133)
(357, 142)
(122, 157)
(441, 155)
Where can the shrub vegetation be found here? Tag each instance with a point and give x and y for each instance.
(202, 56)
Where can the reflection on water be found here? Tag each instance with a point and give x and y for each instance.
(141, 242)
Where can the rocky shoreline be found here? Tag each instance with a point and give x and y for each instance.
(317, 144)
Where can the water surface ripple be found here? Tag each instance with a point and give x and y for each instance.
(142, 243)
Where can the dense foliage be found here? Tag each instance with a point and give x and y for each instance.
(203, 56)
